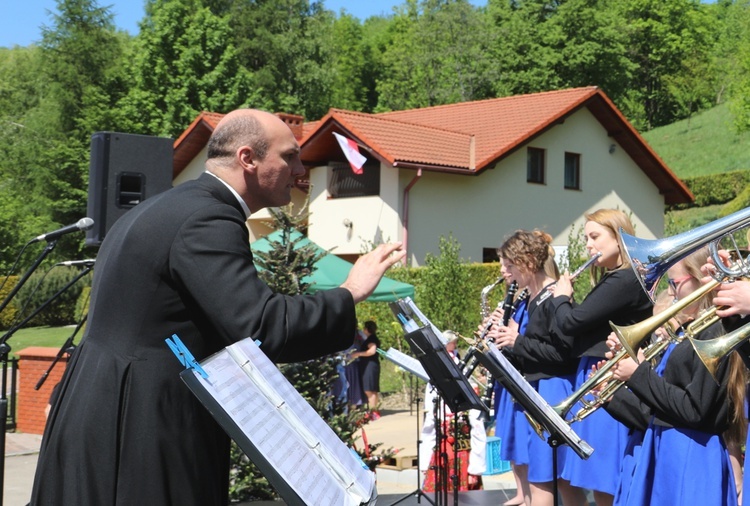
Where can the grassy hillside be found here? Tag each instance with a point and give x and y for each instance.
(703, 145)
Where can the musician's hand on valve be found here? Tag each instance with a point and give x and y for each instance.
(625, 368)
(732, 298)
(613, 345)
(594, 369)
(709, 268)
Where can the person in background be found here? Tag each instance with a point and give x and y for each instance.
(180, 263)
(471, 438)
(617, 297)
(370, 367)
(355, 393)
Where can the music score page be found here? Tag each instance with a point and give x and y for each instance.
(302, 448)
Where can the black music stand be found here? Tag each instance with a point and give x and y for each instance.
(415, 368)
(447, 378)
(536, 408)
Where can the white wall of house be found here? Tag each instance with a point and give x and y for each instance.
(373, 219)
(479, 211)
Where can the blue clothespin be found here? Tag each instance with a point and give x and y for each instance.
(184, 356)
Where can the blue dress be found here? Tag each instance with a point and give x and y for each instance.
(633, 451)
(511, 426)
(553, 390)
(607, 436)
(677, 465)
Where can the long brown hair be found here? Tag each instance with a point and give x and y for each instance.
(737, 372)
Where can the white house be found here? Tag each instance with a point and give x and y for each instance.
(474, 170)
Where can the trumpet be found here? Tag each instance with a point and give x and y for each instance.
(603, 396)
(631, 337)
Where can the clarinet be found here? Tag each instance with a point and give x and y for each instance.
(508, 308)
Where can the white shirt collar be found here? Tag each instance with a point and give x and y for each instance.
(234, 192)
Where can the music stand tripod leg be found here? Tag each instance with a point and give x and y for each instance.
(418, 491)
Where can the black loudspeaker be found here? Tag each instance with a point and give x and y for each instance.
(125, 169)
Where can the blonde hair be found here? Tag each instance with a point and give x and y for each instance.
(614, 220)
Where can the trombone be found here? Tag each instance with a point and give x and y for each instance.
(712, 351)
(631, 337)
(651, 258)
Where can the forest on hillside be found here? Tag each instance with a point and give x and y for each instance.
(658, 60)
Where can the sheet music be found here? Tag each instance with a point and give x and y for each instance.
(551, 421)
(407, 314)
(403, 360)
(303, 449)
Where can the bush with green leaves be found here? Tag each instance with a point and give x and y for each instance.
(43, 286)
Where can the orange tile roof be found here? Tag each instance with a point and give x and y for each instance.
(464, 138)
(469, 137)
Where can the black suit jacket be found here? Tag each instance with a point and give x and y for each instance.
(125, 430)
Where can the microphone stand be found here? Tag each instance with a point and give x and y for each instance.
(65, 348)
(5, 350)
(46, 251)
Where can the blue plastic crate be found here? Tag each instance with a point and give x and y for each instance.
(495, 465)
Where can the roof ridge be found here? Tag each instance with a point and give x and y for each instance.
(496, 99)
(401, 122)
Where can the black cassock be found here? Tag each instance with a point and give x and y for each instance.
(125, 429)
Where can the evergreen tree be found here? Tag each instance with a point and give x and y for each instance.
(283, 268)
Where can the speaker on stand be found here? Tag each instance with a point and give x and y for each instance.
(125, 169)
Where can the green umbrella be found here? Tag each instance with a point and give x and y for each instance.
(330, 271)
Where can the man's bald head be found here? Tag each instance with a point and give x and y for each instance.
(243, 127)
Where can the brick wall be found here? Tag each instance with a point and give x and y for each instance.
(33, 363)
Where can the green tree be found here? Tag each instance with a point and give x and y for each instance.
(182, 64)
(524, 63)
(664, 35)
(284, 45)
(444, 291)
(45, 157)
(350, 64)
(437, 54)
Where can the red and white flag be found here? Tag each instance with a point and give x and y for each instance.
(351, 152)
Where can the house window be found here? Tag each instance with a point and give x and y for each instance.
(489, 255)
(535, 165)
(572, 171)
(345, 183)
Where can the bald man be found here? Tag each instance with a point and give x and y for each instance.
(125, 429)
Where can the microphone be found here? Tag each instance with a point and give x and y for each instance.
(82, 224)
(89, 262)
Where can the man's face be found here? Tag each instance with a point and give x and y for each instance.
(276, 173)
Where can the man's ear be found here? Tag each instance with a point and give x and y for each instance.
(246, 156)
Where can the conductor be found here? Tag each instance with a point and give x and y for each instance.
(125, 430)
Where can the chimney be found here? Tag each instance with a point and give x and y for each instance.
(294, 121)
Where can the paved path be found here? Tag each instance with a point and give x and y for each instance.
(395, 429)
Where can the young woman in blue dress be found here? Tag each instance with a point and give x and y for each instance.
(692, 418)
(545, 355)
(616, 297)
